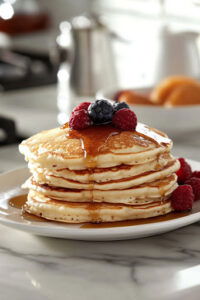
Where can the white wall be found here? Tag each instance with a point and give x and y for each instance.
(65, 9)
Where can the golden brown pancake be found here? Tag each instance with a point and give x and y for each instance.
(145, 193)
(69, 212)
(100, 146)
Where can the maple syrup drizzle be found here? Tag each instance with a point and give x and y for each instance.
(94, 139)
(152, 134)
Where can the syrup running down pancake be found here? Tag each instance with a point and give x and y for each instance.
(99, 174)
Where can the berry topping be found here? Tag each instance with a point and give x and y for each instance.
(119, 105)
(185, 171)
(196, 174)
(195, 184)
(83, 105)
(182, 198)
(79, 120)
(101, 112)
(125, 119)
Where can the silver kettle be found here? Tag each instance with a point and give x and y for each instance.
(90, 55)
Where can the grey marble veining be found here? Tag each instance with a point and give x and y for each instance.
(159, 267)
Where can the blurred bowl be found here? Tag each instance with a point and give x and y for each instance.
(174, 121)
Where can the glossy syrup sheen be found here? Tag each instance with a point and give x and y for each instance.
(18, 202)
(152, 134)
(94, 138)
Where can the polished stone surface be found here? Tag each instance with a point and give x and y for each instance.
(160, 267)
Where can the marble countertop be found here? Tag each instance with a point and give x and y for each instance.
(162, 267)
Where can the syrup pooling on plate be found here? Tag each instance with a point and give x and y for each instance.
(19, 202)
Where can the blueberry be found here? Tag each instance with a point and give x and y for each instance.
(119, 105)
(101, 112)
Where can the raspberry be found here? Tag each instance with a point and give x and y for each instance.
(83, 105)
(185, 171)
(79, 120)
(101, 112)
(119, 105)
(125, 119)
(182, 198)
(195, 184)
(196, 174)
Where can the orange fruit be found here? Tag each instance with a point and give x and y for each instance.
(185, 94)
(132, 98)
(163, 90)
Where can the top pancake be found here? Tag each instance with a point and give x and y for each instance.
(97, 146)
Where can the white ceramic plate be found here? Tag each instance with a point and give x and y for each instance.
(10, 186)
(174, 121)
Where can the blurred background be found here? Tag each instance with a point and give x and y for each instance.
(55, 54)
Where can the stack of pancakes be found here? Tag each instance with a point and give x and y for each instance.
(99, 174)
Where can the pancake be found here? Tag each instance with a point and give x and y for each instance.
(94, 212)
(96, 146)
(123, 183)
(141, 194)
(102, 174)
